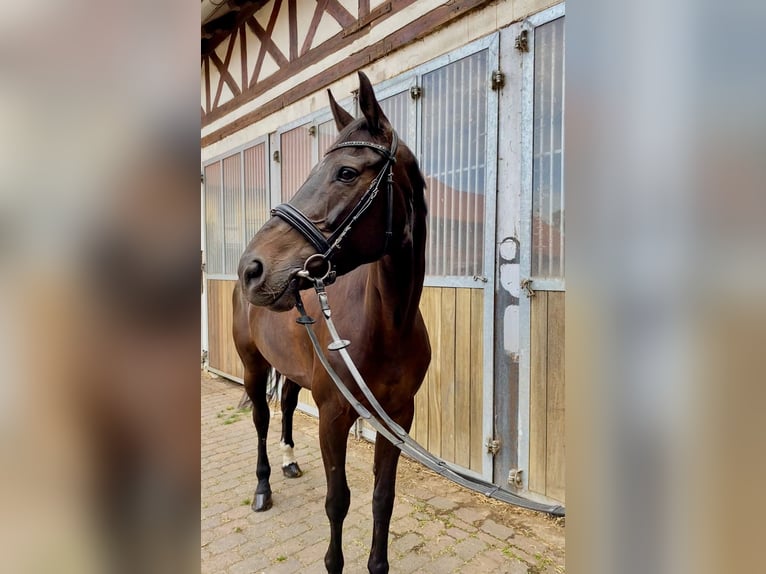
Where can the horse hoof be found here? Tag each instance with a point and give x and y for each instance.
(292, 470)
(262, 502)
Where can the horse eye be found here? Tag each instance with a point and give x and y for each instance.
(347, 174)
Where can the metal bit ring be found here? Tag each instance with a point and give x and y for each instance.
(305, 273)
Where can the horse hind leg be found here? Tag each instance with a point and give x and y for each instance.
(289, 401)
(256, 379)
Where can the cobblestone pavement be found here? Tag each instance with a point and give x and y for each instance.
(437, 526)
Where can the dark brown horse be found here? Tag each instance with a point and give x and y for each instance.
(379, 258)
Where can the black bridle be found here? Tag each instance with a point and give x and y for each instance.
(327, 246)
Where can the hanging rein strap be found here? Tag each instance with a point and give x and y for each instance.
(387, 427)
(326, 247)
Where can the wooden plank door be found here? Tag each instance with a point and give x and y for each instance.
(546, 404)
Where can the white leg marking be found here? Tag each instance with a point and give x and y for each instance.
(288, 456)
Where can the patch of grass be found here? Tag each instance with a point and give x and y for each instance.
(231, 416)
(508, 551)
(543, 562)
(247, 502)
(281, 558)
(238, 529)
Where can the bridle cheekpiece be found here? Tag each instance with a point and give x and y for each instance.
(327, 246)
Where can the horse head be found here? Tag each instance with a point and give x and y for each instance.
(359, 203)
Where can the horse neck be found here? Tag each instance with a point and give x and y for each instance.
(396, 283)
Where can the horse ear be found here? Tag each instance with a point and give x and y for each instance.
(342, 117)
(368, 103)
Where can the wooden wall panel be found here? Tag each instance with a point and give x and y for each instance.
(538, 390)
(449, 407)
(222, 355)
(546, 422)
(447, 373)
(433, 390)
(462, 377)
(555, 431)
(476, 406)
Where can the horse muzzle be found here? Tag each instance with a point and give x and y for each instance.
(275, 290)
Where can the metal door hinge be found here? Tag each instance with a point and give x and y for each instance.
(498, 80)
(416, 92)
(493, 446)
(526, 284)
(522, 41)
(515, 477)
(202, 177)
(312, 130)
(275, 155)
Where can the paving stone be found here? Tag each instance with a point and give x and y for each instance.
(250, 565)
(468, 548)
(457, 533)
(470, 514)
(225, 543)
(499, 531)
(406, 543)
(442, 503)
(443, 565)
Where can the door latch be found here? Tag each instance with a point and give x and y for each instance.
(493, 446)
(526, 284)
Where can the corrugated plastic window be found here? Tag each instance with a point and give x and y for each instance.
(213, 219)
(548, 158)
(328, 133)
(396, 108)
(296, 159)
(232, 213)
(454, 162)
(256, 190)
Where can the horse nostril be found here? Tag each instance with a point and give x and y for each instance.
(253, 271)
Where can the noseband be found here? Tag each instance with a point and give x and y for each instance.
(327, 246)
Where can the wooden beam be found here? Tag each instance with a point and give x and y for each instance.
(413, 31)
(216, 31)
(223, 69)
(292, 19)
(315, 19)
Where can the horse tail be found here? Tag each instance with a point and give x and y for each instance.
(273, 386)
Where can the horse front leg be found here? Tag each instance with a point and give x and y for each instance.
(255, 386)
(290, 390)
(333, 440)
(386, 461)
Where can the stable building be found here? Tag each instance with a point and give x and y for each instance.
(476, 90)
